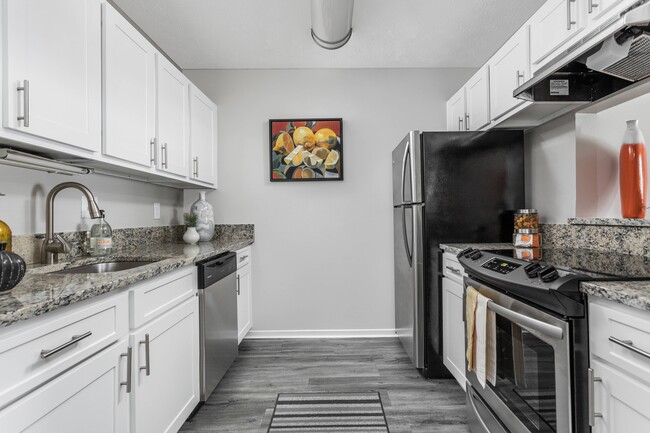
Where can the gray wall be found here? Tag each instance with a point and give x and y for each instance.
(127, 203)
(323, 257)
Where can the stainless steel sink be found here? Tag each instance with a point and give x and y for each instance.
(100, 268)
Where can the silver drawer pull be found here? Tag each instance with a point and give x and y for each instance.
(147, 365)
(590, 390)
(25, 89)
(129, 356)
(75, 339)
(242, 258)
(628, 344)
(238, 288)
(453, 270)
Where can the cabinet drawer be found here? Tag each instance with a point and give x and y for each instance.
(451, 268)
(243, 257)
(94, 327)
(152, 298)
(612, 327)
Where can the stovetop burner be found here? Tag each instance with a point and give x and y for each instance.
(592, 264)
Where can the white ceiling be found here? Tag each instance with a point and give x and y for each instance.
(258, 34)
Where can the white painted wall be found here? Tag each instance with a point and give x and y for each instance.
(323, 253)
(127, 203)
(551, 169)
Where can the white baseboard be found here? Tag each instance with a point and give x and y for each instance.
(321, 333)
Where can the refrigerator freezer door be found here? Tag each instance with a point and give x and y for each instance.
(407, 169)
(409, 311)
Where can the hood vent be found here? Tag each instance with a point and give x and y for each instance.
(603, 63)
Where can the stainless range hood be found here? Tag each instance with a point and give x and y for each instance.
(611, 58)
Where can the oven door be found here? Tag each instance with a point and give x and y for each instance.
(533, 384)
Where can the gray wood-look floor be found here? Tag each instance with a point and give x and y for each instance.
(244, 400)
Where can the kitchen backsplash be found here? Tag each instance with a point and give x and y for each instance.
(29, 246)
(624, 236)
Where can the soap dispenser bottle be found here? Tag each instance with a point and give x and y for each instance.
(101, 237)
(633, 172)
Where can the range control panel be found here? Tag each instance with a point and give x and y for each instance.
(500, 265)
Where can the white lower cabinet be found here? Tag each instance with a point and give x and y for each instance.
(91, 397)
(166, 374)
(244, 293)
(453, 325)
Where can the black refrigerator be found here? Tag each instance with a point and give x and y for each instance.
(447, 187)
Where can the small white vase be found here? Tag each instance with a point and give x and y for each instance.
(191, 236)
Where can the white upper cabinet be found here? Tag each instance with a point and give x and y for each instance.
(477, 100)
(173, 118)
(509, 69)
(129, 96)
(456, 111)
(555, 23)
(203, 137)
(53, 70)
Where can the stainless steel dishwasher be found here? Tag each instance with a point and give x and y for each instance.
(218, 318)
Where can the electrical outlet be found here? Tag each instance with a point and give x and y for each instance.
(156, 211)
(84, 207)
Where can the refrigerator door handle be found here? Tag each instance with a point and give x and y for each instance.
(407, 151)
(407, 248)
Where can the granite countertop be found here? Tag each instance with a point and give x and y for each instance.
(634, 294)
(41, 291)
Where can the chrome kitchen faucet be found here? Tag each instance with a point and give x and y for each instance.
(55, 244)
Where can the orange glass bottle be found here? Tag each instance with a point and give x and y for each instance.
(633, 172)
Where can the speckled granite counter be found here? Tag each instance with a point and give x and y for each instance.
(41, 291)
(457, 248)
(631, 293)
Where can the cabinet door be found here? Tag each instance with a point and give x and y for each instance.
(456, 111)
(552, 25)
(53, 67)
(621, 400)
(173, 118)
(166, 382)
(509, 69)
(477, 100)
(88, 398)
(129, 96)
(203, 137)
(244, 304)
(597, 9)
(453, 339)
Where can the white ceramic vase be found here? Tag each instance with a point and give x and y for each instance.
(191, 236)
(204, 218)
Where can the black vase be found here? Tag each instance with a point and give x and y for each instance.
(12, 268)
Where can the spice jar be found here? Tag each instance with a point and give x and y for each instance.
(526, 219)
(527, 238)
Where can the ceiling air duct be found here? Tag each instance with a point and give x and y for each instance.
(331, 22)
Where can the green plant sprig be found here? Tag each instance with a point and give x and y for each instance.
(190, 219)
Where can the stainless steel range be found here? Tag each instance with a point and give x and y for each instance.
(542, 353)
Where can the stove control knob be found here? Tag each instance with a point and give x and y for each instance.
(464, 253)
(548, 274)
(475, 255)
(532, 269)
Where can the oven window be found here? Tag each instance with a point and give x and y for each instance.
(526, 376)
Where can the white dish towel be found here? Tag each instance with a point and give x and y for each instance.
(486, 366)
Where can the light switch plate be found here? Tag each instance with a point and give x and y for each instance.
(84, 207)
(156, 211)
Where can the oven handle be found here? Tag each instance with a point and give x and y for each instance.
(528, 322)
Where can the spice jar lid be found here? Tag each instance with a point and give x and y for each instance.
(526, 211)
(526, 231)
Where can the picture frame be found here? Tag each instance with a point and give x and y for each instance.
(306, 149)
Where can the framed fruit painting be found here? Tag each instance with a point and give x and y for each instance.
(306, 149)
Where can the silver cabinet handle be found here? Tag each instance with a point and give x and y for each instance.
(628, 344)
(460, 123)
(238, 291)
(453, 270)
(129, 357)
(25, 89)
(242, 258)
(592, 5)
(75, 339)
(196, 166)
(569, 21)
(520, 76)
(519, 319)
(147, 365)
(152, 150)
(466, 121)
(164, 155)
(591, 393)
